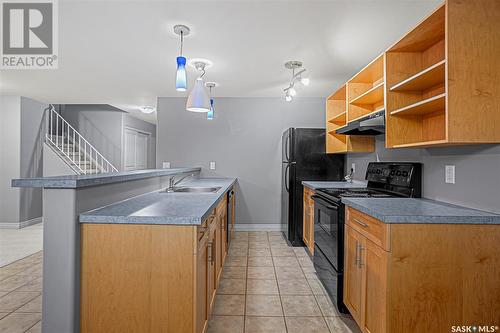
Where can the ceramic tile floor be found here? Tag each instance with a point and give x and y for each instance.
(16, 244)
(268, 287)
(21, 295)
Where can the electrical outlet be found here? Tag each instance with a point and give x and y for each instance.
(449, 174)
(166, 165)
(212, 165)
(353, 167)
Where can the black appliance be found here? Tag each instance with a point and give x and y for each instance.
(373, 124)
(303, 158)
(230, 198)
(385, 180)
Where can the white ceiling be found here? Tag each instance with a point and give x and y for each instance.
(123, 52)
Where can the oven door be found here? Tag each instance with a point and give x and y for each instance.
(328, 230)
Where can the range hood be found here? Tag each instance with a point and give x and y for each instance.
(373, 124)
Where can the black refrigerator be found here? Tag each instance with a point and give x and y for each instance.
(303, 158)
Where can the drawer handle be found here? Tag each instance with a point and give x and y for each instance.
(210, 252)
(361, 223)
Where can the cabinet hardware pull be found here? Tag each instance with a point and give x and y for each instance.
(213, 255)
(356, 260)
(361, 248)
(210, 252)
(361, 223)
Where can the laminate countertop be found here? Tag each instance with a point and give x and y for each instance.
(160, 207)
(408, 210)
(327, 184)
(79, 181)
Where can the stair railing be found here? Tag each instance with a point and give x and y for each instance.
(75, 145)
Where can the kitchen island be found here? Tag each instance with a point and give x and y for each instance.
(418, 265)
(108, 196)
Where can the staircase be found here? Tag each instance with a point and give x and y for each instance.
(72, 147)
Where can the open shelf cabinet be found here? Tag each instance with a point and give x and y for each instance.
(440, 84)
(365, 90)
(336, 117)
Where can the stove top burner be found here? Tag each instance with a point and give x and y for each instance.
(354, 192)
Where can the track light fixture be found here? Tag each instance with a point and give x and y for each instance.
(290, 91)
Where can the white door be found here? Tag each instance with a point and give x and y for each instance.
(135, 150)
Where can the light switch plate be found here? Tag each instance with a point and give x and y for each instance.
(449, 174)
(353, 167)
(212, 165)
(166, 165)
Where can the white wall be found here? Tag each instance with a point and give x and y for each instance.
(10, 152)
(245, 142)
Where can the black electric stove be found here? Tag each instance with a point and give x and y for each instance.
(385, 180)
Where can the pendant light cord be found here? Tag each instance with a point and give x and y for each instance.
(182, 40)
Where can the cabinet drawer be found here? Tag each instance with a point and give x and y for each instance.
(373, 229)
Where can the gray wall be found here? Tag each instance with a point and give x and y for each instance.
(32, 136)
(144, 126)
(21, 153)
(477, 171)
(10, 150)
(101, 125)
(244, 140)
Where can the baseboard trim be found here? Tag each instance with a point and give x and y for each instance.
(258, 227)
(20, 225)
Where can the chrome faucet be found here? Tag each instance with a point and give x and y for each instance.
(348, 178)
(172, 183)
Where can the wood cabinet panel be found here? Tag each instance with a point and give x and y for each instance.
(353, 273)
(374, 287)
(202, 301)
(308, 220)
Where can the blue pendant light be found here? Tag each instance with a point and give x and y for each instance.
(180, 78)
(211, 114)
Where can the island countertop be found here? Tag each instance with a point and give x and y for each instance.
(80, 181)
(412, 210)
(159, 207)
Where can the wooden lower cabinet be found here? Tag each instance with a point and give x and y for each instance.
(420, 277)
(151, 278)
(308, 220)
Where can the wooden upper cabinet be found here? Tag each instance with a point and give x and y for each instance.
(337, 116)
(442, 78)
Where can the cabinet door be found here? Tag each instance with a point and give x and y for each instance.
(212, 271)
(306, 228)
(353, 272)
(218, 248)
(233, 213)
(374, 264)
(202, 280)
(311, 227)
(224, 227)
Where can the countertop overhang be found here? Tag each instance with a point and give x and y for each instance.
(79, 181)
(413, 210)
(162, 208)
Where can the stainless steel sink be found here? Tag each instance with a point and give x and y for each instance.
(188, 189)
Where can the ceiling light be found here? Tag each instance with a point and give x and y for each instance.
(147, 109)
(197, 62)
(198, 100)
(211, 113)
(290, 91)
(180, 77)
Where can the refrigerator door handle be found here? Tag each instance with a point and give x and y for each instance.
(287, 147)
(286, 178)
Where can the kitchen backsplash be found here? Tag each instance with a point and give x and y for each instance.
(477, 172)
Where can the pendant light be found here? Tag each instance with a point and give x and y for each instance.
(211, 114)
(198, 100)
(180, 77)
